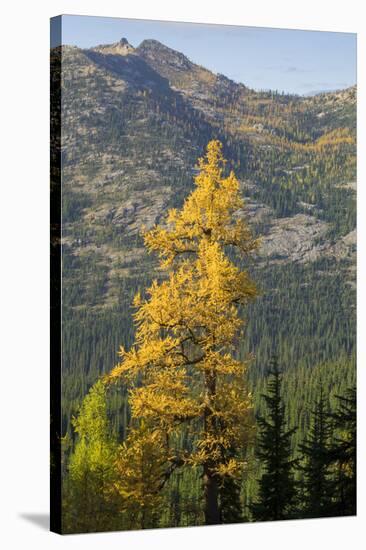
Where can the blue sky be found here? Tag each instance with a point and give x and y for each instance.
(261, 58)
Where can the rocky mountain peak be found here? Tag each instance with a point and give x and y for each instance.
(156, 52)
(122, 47)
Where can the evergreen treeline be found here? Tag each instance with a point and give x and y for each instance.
(306, 312)
(317, 478)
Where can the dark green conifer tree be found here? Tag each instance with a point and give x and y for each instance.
(317, 486)
(230, 505)
(277, 487)
(342, 454)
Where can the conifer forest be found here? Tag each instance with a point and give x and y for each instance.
(208, 263)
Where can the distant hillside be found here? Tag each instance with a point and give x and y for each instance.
(134, 122)
(327, 91)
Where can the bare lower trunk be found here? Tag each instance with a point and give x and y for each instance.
(211, 493)
(210, 481)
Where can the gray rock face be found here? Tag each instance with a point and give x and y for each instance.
(293, 239)
(142, 210)
(303, 239)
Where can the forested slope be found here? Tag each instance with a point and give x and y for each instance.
(134, 123)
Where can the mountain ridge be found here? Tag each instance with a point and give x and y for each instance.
(151, 46)
(138, 88)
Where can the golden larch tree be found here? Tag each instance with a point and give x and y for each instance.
(181, 370)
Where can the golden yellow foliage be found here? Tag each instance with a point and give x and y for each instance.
(142, 463)
(181, 369)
